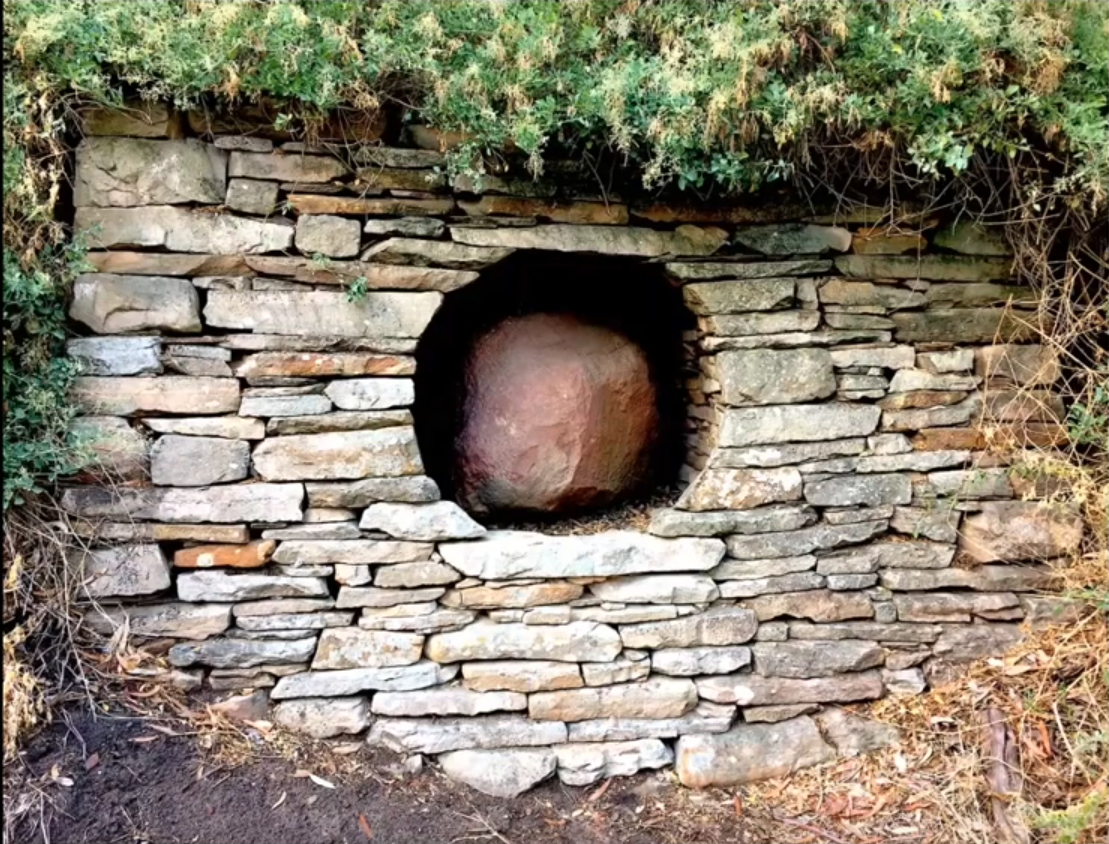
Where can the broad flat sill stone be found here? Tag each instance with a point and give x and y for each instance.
(502, 555)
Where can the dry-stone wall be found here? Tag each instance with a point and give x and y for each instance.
(261, 501)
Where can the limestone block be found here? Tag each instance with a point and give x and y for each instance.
(380, 313)
(221, 586)
(118, 451)
(658, 589)
(705, 718)
(165, 394)
(116, 355)
(440, 735)
(740, 489)
(609, 240)
(794, 239)
(739, 297)
(252, 196)
(285, 168)
(447, 701)
(587, 763)
(521, 676)
(499, 773)
(750, 752)
(796, 422)
(579, 641)
(654, 698)
(242, 653)
(130, 171)
(350, 551)
(815, 605)
(119, 304)
(353, 647)
(800, 542)
(753, 690)
(387, 452)
(717, 626)
(672, 522)
(182, 230)
(230, 427)
(321, 718)
(810, 659)
(351, 681)
(176, 621)
(766, 376)
(691, 662)
(242, 502)
(324, 234)
(706, 270)
(866, 490)
(414, 489)
(198, 461)
(121, 570)
(433, 253)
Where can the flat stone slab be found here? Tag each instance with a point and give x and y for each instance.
(222, 586)
(659, 697)
(182, 230)
(381, 453)
(441, 521)
(350, 551)
(717, 626)
(131, 171)
(351, 681)
(322, 718)
(658, 589)
(608, 240)
(120, 571)
(242, 653)
(587, 763)
(579, 641)
(122, 304)
(353, 647)
(447, 701)
(499, 773)
(502, 555)
(705, 718)
(233, 503)
(521, 675)
(441, 735)
(796, 423)
(753, 690)
(672, 522)
(162, 394)
(176, 620)
(750, 752)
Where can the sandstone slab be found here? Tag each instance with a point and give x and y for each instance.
(243, 502)
(241, 556)
(321, 718)
(380, 313)
(654, 698)
(120, 304)
(130, 171)
(803, 541)
(353, 647)
(587, 763)
(816, 605)
(382, 453)
(691, 662)
(242, 653)
(672, 522)
(221, 586)
(521, 676)
(609, 240)
(230, 427)
(412, 489)
(797, 422)
(440, 735)
(285, 168)
(177, 621)
(352, 681)
(658, 589)
(753, 690)
(350, 551)
(717, 626)
(433, 253)
(499, 773)
(415, 574)
(579, 641)
(750, 752)
(810, 659)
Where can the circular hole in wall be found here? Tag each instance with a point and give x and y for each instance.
(552, 386)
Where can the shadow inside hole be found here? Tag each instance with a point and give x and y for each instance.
(622, 294)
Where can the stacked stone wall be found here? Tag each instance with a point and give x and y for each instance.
(260, 505)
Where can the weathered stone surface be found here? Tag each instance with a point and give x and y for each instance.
(371, 276)
(120, 570)
(780, 455)
(794, 239)
(980, 578)
(761, 569)
(242, 653)
(798, 542)
(409, 575)
(351, 681)
(905, 380)
(717, 626)
(691, 662)
(521, 676)
(774, 714)
(283, 606)
(705, 718)
(198, 461)
(360, 206)
(739, 297)
(380, 313)
(387, 452)
(433, 253)
(628, 240)
(823, 337)
(437, 522)
(129, 171)
(796, 422)
(773, 322)
(247, 503)
(706, 270)
(221, 586)
(440, 735)
(937, 523)
(886, 357)
(934, 267)
(514, 554)
(852, 735)
(165, 264)
(164, 394)
(433, 622)
(146, 532)
(250, 555)
(805, 660)
(579, 641)
(557, 211)
(406, 227)
(626, 614)
(138, 119)
(116, 355)
(319, 364)
(654, 698)
(751, 587)
(935, 607)
(414, 489)
(980, 294)
(342, 420)
(285, 168)
(867, 630)
(888, 297)
(350, 551)
(371, 393)
(258, 402)
(1029, 365)
(181, 230)
(963, 325)
(178, 621)
(559, 414)
(671, 522)
(910, 554)
(922, 398)
(323, 234)
(446, 701)
(753, 690)
(972, 239)
(750, 752)
(586, 763)
(969, 484)
(1020, 530)
(294, 621)
(510, 595)
(816, 605)
(765, 376)
(620, 670)
(116, 450)
(904, 681)
(353, 647)
(322, 718)
(499, 773)
(252, 197)
(970, 642)
(907, 461)
(119, 304)
(879, 240)
(865, 490)
(740, 489)
(914, 420)
(658, 589)
(230, 427)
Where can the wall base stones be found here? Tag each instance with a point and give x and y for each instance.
(842, 529)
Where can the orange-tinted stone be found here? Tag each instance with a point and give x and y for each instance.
(553, 210)
(317, 364)
(921, 398)
(305, 203)
(249, 556)
(880, 241)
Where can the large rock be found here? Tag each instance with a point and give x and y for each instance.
(380, 313)
(181, 230)
(579, 641)
(609, 240)
(506, 554)
(440, 735)
(238, 503)
(558, 415)
(198, 461)
(351, 681)
(586, 763)
(815, 658)
(164, 394)
(381, 453)
(352, 647)
(750, 752)
(119, 304)
(784, 376)
(1020, 530)
(117, 451)
(796, 423)
(129, 171)
(753, 690)
(221, 586)
(121, 570)
(176, 621)
(660, 697)
(717, 626)
(321, 718)
(242, 653)
(437, 522)
(740, 489)
(499, 773)
(671, 522)
(116, 355)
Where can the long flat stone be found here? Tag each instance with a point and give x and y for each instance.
(503, 554)
(531, 675)
(440, 735)
(796, 423)
(125, 172)
(181, 230)
(446, 701)
(579, 641)
(658, 589)
(350, 551)
(734, 297)
(121, 570)
(163, 394)
(353, 647)
(122, 304)
(815, 658)
(232, 503)
(220, 586)
(380, 453)
(659, 697)
(705, 718)
(587, 763)
(753, 690)
(352, 681)
(380, 313)
(672, 523)
(933, 267)
(803, 541)
(708, 270)
(609, 240)
(176, 620)
(717, 626)
(242, 653)
(750, 752)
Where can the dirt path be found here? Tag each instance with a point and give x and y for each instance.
(131, 784)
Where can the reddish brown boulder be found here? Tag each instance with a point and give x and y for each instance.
(558, 415)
